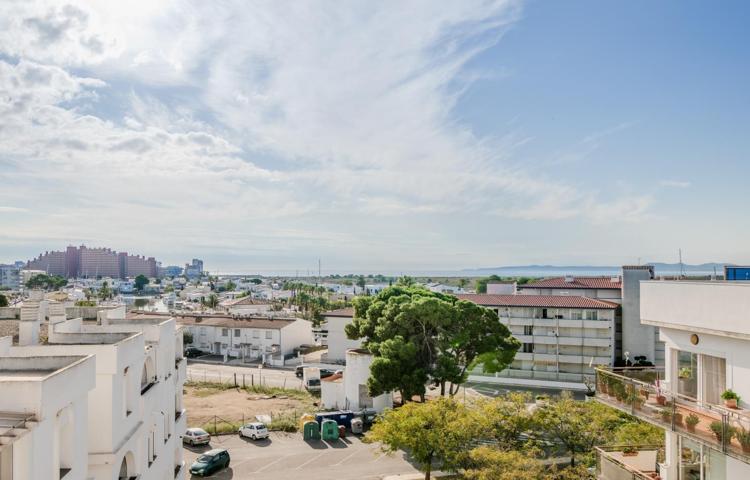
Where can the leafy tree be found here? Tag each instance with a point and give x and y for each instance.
(47, 282)
(361, 282)
(577, 426)
(105, 292)
(449, 336)
(487, 463)
(638, 433)
(187, 336)
(231, 286)
(140, 282)
(437, 433)
(505, 419)
(3, 300)
(256, 281)
(212, 301)
(406, 281)
(397, 368)
(481, 284)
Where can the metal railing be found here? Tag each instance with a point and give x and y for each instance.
(642, 393)
(628, 463)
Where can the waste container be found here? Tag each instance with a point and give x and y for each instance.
(306, 417)
(342, 431)
(311, 430)
(329, 430)
(357, 425)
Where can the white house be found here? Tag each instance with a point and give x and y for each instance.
(348, 391)
(332, 333)
(44, 405)
(249, 338)
(135, 418)
(246, 305)
(706, 332)
(563, 337)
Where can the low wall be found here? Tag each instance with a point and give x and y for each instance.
(10, 313)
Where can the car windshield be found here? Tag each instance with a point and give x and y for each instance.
(199, 432)
(313, 381)
(204, 458)
(260, 426)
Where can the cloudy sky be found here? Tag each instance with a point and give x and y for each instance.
(378, 136)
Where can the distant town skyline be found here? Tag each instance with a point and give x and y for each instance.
(404, 138)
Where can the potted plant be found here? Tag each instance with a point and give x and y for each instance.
(666, 415)
(629, 451)
(691, 421)
(730, 398)
(685, 372)
(743, 436)
(720, 432)
(590, 387)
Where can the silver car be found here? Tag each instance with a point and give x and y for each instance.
(196, 436)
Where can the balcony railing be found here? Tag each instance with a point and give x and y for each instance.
(641, 392)
(628, 463)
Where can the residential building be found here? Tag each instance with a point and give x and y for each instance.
(707, 352)
(267, 339)
(44, 405)
(332, 334)
(172, 271)
(501, 287)
(563, 337)
(348, 390)
(10, 276)
(246, 305)
(135, 419)
(194, 269)
(93, 262)
(633, 339)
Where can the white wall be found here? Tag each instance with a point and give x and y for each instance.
(338, 343)
(295, 334)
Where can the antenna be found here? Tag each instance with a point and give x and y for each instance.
(682, 267)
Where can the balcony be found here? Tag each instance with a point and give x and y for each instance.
(633, 463)
(640, 392)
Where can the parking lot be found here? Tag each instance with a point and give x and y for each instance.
(286, 456)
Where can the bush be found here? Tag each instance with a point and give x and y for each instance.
(730, 395)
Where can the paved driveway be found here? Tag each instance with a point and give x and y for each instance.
(288, 457)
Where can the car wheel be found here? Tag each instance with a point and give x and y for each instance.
(254, 437)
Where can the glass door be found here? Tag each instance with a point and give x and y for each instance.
(687, 374)
(713, 378)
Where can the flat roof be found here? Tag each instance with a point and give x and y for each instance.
(553, 301)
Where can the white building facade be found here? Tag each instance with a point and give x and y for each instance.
(706, 332)
(348, 391)
(332, 334)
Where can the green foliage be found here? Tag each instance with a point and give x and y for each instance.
(85, 303)
(692, 420)
(105, 293)
(140, 282)
(481, 284)
(638, 433)
(436, 434)
(721, 432)
(487, 463)
(212, 301)
(3, 300)
(505, 419)
(256, 281)
(730, 395)
(230, 286)
(46, 282)
(432, 334)
(187, 336)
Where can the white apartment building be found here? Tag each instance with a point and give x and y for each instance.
(348, 391)
(44, 405)
(563, 337)
(632, 338)
(332, 334)
(249, 338)
(706, 332)
(134, 417)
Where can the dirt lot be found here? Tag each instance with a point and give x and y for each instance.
(235, 405)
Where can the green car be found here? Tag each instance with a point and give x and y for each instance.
(210, 462)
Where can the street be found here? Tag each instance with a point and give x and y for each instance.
(286, 456)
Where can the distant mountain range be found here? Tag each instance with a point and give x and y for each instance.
(590, 270)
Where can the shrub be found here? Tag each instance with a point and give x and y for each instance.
(718, 429)
(692, 420)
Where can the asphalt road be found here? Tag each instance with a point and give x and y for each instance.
(271, 377)
(287, 456)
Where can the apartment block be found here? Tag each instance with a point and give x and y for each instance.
(707, 352)
(332, 334)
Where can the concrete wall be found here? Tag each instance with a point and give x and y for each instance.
(637, 339)
(338, 343)
(296, 334)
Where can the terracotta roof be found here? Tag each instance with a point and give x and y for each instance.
(577, 282)
(227, 322)
(341, 312)
(553, 301)
(246, 300)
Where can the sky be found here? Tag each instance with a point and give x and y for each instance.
(377, 136)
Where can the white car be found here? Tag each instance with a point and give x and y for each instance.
(196, 436)
(255, 430)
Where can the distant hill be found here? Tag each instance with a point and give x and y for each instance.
(590, 270)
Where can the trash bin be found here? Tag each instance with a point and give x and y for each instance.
(357, 425)
(329, 430)
(306, 417)
(342, 431)
(311, 431)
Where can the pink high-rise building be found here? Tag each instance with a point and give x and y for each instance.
(94, 262)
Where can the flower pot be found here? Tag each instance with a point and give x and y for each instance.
(644, 393)
(661, 399)
(745, 448)
(730, 403)
(690, 428)
(629, 454)
(678, 418)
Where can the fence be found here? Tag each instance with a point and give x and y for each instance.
(284, 421)
(242, 380)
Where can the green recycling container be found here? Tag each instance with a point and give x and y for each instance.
(311, 431)
(329, 430)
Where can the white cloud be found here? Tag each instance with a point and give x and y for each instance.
(153, 122)
(674, 183)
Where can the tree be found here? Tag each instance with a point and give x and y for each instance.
(47, 282)
(449, 336)
(256, 281)
(187, 336)
(212, 301)
(487, 463)
(638, 433)
(437, 433)
(105, 292)
(507, 419)
(577, 426)
(481, 284)
(140, 282)
(361, 282)
(3, 300)
(231, 286)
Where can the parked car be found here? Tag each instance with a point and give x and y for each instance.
(210, 462)
(192, 352)
(255, 431)
(313, 385)
(324, 372)
(299, 370)
(196, 436)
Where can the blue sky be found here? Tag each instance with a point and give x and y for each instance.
(380, 136)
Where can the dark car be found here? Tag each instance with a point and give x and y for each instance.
(192, 352)
(324, 372)
(298, 370)
(210, 462)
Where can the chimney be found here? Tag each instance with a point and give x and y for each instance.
(28, 326)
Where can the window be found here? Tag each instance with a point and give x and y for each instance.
(528, 330)
(256, 334)
(576, 315)
(224, 332)
(269, 334)
(528, 348)
(592, 315)
(236, 332)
